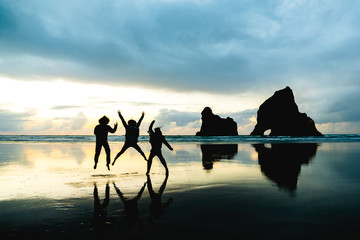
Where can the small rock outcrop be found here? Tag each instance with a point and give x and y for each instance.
(213, 125)
(281, 115)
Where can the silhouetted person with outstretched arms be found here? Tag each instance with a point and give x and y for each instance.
(100, 210)
(131, 135)
(157, 207)
(156, 140)
(101, 132)
(131, 210)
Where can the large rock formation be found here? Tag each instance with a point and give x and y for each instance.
(213, 125)
(281, 114)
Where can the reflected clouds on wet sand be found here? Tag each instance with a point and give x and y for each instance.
(212, 190)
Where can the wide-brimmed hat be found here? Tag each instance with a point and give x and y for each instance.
(104, 120)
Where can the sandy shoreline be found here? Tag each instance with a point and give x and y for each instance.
(48, 190)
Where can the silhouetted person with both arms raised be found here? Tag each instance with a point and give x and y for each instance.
(131, 135)
(101, 132)
(156, 140)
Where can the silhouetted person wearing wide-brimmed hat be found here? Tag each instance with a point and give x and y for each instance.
(131, 135)
(156, 140)
(101, 132)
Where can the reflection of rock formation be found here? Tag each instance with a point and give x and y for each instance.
(213, 125)
(282, 162)
(216, 152)
(281, 114)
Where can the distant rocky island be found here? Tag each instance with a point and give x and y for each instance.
(281, 115)
(213, 125)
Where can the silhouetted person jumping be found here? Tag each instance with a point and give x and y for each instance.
(131, 135)
(101, 132)
(156, 140)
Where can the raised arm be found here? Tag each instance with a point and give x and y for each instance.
(151, 126)
(140, 120)
(112, 130)
(122, 119)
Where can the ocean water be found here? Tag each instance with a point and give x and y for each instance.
(184, 138)
(239, 187)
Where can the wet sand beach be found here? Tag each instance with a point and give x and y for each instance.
(214, 191)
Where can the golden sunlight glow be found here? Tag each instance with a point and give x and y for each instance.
(64, 170)
(51, 105)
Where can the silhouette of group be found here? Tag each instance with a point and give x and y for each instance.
(132, 132)
(131, 213)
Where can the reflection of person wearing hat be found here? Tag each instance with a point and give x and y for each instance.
(101, 132)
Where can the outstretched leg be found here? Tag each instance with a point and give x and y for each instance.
(136, 146)
(149, 163)
(163, 162)
(126, 146)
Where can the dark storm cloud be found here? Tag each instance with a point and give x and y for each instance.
(210, 46)
(345, 109)
(188, 45)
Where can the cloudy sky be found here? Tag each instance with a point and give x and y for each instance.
(64, 64)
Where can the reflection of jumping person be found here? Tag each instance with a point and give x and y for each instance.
(100, 211)
(101, 132)
(131, 135)
(156, 140)
(157, 207)
(131, 210)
